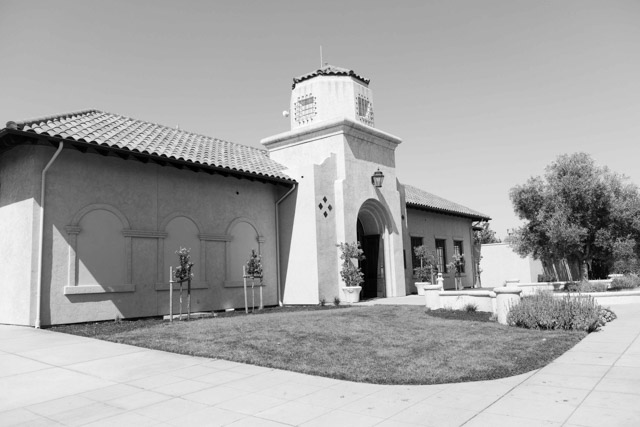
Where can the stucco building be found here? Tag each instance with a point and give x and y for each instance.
(93, 206)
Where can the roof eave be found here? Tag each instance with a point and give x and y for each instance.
(447, 212)
(162, 160)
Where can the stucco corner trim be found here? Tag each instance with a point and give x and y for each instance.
(97, 289)
(176, 286)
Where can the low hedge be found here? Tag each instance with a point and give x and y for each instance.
(628, 281)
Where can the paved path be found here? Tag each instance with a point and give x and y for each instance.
(47, 378)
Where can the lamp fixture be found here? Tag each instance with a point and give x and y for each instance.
(377, 178)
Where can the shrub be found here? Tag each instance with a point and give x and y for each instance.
(428, 262)
(544, 311)
(323, 302)
(350, 273)
(606, 315)
(546, 277)
(628, 281)
(470, 307)
(586, 286)
(336, 301)
(572, 287)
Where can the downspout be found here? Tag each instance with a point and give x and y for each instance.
(278, 284)
(41, 235)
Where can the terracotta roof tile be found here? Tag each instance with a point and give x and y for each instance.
(330, 70)
(111, 130)
(416, 197)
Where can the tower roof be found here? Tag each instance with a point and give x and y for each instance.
(330, 70)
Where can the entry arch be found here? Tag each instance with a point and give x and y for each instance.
(373, 231)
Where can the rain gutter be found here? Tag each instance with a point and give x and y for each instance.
(41, 235)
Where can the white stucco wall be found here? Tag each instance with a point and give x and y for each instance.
(335, 160)
(500, 263)
(431, 226)
(147, 197)
(19, 215)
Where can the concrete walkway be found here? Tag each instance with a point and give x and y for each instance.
(47, 378)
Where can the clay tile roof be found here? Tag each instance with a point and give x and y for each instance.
(421, 199)
(330, 70)
(115, 131)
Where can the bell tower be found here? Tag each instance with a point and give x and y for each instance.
(330, 93)
(334, 152)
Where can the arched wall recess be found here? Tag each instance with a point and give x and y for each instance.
(99, 251)
(244, 237)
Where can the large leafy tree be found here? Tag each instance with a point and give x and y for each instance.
(485, 235)
(578, 211)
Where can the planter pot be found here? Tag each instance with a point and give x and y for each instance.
(351, 293)
(420, 287)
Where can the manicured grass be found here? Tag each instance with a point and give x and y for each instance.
(382, 344)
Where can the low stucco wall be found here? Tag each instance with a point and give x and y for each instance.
(533, 287)
(607, 298)
(457, 300)
(500, 263)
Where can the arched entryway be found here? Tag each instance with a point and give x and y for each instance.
(372, 232)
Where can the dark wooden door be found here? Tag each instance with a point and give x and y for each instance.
(369, 266)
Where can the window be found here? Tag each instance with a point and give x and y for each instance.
(441, 255)
(364, 110)
(305, 109)
(457, 250)
(415, 241)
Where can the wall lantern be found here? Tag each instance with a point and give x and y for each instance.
(377, 178)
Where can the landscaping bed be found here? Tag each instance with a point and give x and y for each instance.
(380, 344)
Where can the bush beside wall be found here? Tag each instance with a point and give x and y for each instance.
(543, 311)
(629, 281)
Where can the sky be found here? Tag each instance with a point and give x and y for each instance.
(484, 94)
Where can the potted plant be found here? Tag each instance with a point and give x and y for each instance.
(350, 273)
(456, 264)
(427, 268)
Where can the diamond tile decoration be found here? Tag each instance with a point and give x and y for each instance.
(326, 208)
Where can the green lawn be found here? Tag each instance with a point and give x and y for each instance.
(382, 344)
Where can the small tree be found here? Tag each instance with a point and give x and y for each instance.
(485, 235)
(182, 274)
(254, 265)
(456, 264)
(350, 273)
(253, 269)
(427, 268)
